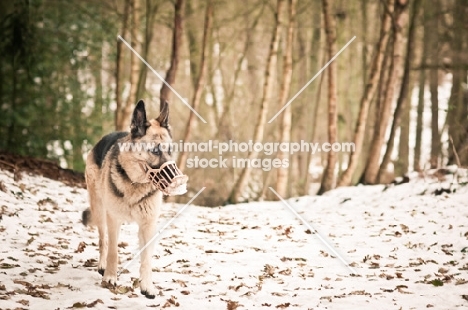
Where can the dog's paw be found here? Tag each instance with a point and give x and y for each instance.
(109, 279)
(148, 289)
(110, 286)
(148, 294)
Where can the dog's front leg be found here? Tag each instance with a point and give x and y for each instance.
(145, 233)
(113, 230)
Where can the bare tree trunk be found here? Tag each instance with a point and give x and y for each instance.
(285, 129)
(433, 38)
(200, 83)
(268, 89)
(364, 25)
(318, 59)
(127, 108)
(98, 98)
(404, 90)
(313, 134)
(420, 109)
(192, 30)
(453, 118)
(328, 179)
(419, 122)
(402, 164)
(366, 99)
(119, 66)
(179, 8)
(458, 104)
(298, 131)
(399, 19)
(382, 88)
(146, 44)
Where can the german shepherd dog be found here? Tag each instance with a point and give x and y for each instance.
(119, 190)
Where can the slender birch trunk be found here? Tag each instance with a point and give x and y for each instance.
(328, 179)
(402, 164)
(417, 165)
(285, 129)
(319, 59)
(419, 122)
(433, 38)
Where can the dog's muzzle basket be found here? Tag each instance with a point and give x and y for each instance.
(168, 179)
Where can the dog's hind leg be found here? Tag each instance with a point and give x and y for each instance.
(113, 230)
(146, 231)
(89, 219)
(96, 216)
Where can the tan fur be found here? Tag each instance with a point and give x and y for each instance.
(109, 211)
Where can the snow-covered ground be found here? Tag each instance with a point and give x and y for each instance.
(407, 246)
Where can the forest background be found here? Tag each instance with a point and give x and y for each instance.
(398, 91)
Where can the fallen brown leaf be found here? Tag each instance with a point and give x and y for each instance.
(180, 282)
(232, 305)
(81, 247)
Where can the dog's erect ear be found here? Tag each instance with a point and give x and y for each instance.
(139, 122)
(163, 117)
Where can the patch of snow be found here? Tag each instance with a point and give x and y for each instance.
(407, 245)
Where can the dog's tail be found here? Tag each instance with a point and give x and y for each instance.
(86, 217)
